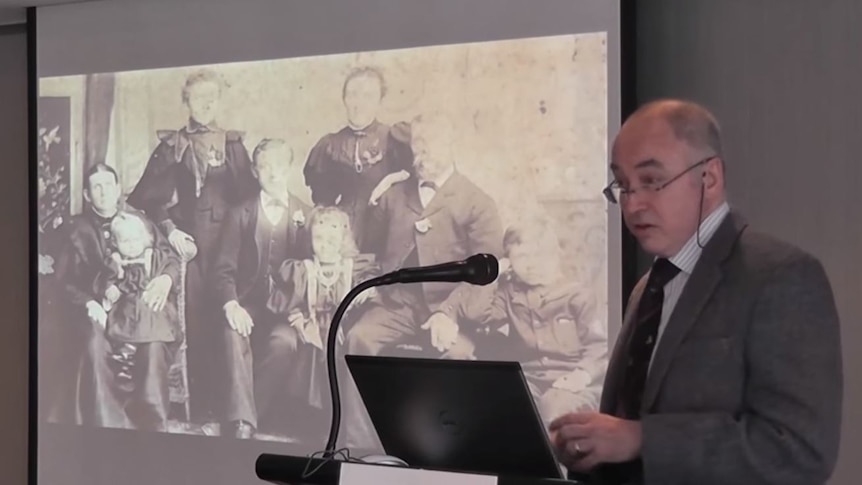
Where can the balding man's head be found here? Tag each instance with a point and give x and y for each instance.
(669, 173)
(689, 122)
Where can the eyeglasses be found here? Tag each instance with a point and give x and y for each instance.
(616, 192)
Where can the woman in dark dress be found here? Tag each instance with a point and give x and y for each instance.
(195, 174)
(346, 168)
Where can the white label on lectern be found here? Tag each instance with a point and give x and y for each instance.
(362, 474)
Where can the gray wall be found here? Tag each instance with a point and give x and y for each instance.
(784, 78)
(14, 274)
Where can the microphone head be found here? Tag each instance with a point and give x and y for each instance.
(483, 269)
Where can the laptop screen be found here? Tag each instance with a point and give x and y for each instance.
(457, 415)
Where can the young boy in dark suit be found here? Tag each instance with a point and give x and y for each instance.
(257, 237)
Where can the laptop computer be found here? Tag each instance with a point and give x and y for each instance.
(457, 415)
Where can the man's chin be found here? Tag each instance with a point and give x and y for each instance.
(652, 244)
(105, 210)
(273, 189)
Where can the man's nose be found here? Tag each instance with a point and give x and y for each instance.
(633, 202)
(631, 210)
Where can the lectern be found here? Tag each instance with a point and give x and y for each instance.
(294, 470)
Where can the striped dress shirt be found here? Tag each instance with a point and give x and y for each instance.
(685, 260)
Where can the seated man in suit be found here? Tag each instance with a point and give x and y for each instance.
(256, 238)
(440, 217)
(728, 365)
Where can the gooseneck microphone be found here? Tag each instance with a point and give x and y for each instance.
(480, 269)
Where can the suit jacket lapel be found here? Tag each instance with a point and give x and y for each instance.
(699, 288)
(250, 215)
(413, 200)
(448, 189)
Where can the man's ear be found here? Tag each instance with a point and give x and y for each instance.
(713, 173)
(87, 195)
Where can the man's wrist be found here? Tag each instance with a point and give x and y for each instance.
(447, 310)
(233, 304)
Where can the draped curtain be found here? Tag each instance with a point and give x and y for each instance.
(99, 105)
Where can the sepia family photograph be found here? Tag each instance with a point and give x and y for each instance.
(199, 225)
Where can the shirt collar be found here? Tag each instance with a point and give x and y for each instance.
(101, 219)
(687, 257)
(195, 127)
(442, 179)
(363, 131)
(266, 199)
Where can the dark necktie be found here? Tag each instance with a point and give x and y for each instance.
(428, 185)
(644, 337)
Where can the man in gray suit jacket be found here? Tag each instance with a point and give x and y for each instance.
(745, 382)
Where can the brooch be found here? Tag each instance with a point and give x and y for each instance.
(423, 225)
(299, 218)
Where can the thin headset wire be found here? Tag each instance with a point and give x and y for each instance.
(700, 215)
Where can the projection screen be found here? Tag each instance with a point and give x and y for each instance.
(214, 176)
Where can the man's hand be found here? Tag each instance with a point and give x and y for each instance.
(584, 440)
(238, 318)
(366, 295)
(112, 294)
(156, 293)
(97, 314)
(183, 244)
(444, 331)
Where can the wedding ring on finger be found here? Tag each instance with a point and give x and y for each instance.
(578, 450)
